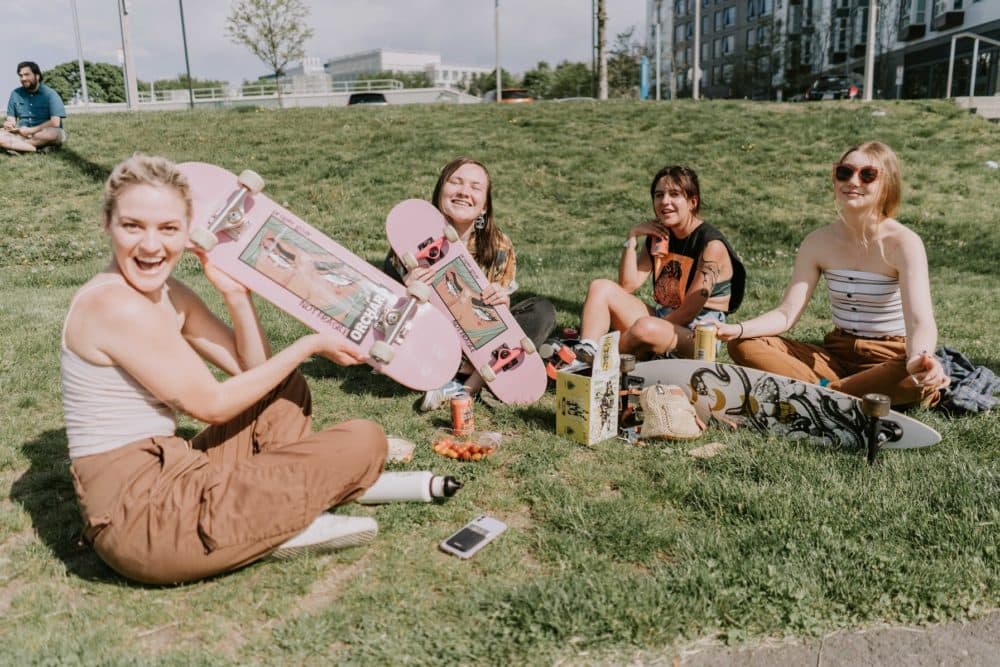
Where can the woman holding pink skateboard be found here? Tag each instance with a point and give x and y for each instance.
(161, 509)
(464, 194)
(877, 278)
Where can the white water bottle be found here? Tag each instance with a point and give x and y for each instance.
(420, 486)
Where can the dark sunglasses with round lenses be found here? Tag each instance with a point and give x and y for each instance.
(844, 172)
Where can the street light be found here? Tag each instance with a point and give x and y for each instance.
(496, 39)
(187, 63)
(79, 55)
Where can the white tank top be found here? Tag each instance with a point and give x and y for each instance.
(865, 304)
(103, 406)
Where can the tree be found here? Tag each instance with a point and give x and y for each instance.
(483, 82)
(538, 81)
(624, 67)
(602, 51)
(572, 80)
(274, 31)
(105, 82)
(408, 79)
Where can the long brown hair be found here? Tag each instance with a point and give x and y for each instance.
(488, 238)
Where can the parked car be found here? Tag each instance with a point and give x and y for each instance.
(367, 98)
(508, 95)
(834, 88)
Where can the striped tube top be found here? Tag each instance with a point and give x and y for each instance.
(865, 304)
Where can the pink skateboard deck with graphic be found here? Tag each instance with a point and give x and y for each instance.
(316, 280)
(491, 338)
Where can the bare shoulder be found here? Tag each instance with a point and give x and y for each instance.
(902, 244)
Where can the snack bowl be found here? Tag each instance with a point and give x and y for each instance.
(471, 446)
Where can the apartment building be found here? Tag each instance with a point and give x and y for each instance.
(773, 49)
(924, 32)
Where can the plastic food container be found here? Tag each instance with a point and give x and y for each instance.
(473, 446)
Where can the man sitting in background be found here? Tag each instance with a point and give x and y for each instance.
(34, 114)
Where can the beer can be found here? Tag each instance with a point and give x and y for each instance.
(462, 422)
(704, 341)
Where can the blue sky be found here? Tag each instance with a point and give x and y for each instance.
(462, 31)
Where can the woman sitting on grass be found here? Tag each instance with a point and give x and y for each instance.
(160, 509)
(876, 274)
(464, 194)
(696, 276)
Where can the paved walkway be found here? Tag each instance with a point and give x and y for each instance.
(972, 644)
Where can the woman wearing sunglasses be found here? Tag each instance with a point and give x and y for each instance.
(877, 278)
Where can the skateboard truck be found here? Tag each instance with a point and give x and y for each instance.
(431, 249)
(230, 215)
(875, 407)
(395, 323)
(506, 357)
(556, 354)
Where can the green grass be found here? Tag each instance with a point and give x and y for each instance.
(614, 551)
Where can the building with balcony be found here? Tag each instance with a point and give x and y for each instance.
(773, 49)
(923, 36)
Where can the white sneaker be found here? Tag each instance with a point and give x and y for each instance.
(328, 532)
(435, 398)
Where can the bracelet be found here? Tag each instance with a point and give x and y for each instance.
(629, 243)
(740, 324)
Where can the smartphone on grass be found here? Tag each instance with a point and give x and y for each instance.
(473, 536)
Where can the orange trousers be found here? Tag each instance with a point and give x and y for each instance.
(853, 365)
(163, 510)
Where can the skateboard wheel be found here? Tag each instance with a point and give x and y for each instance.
(419, 291)
(203, 238)
(450, 233)
(381, 352)
(409, 261)
(527, 345)
(251, 180)
(487, 372)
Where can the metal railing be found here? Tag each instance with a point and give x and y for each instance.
(269, 89)
(975, 59)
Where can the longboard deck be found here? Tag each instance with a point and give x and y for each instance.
(458, 282)
(319, 282)
(778, 404)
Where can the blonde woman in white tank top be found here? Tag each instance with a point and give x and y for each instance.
(885, 332)
(135, 346)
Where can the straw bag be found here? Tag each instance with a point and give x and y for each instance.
(668, 414)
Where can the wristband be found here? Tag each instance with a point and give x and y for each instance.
(629, 242)
(740, 324)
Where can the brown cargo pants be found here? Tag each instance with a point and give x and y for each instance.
(163, 510)
(853, 365)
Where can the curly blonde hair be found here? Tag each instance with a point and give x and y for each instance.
(141, 169)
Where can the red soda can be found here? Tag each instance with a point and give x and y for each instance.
(462, 422)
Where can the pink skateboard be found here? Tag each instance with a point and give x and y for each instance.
(492, 340)
(318, 281)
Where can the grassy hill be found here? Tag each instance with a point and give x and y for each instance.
(615, 551)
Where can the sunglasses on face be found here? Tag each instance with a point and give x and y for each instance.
(844, 172)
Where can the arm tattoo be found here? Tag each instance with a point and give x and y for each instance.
(710, 271)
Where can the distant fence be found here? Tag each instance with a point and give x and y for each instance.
(305, 86)
(266, 95)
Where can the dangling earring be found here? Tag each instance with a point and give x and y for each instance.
(480, 222)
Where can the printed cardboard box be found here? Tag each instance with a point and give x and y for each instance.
(587, 400)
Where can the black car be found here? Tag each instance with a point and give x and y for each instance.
(367, 98)
(834, 88)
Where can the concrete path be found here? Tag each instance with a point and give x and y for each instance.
(972, 644)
